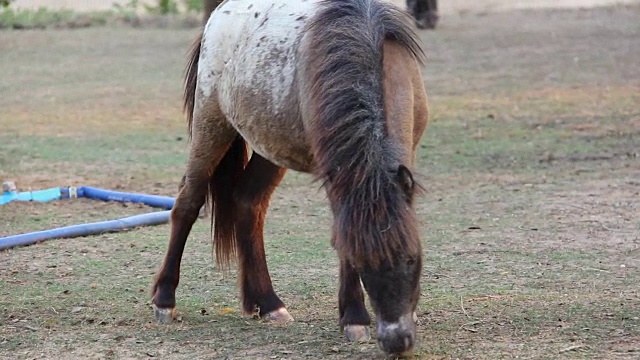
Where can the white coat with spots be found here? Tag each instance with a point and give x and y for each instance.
(248, 54)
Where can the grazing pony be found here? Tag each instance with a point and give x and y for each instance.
(327, 87)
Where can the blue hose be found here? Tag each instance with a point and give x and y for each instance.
(163, 202)
(154, 218)
(40, 195)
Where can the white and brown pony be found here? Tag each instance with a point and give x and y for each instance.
(328, 87)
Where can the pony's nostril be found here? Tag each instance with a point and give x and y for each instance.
(407, 343)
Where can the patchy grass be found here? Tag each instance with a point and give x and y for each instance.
(29, 19)
(44, 18)
(530, 221)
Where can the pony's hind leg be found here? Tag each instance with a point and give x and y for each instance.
(256, 185)
(206, 152)
(354, 318)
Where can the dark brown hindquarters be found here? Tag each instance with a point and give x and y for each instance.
(238, 196)
(225, 177)
(213, 166)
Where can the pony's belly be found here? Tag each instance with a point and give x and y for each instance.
(284, 146)
(298, 161)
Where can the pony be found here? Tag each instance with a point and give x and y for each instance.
(332, 88)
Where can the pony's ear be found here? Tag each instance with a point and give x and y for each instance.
(405, 179)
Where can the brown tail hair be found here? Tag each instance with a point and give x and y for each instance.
(222, 183)
(191, 80)
(222, 187)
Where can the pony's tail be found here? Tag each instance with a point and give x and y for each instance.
(221, 204)
(191, 80)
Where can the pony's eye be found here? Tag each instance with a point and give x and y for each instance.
(411, 261)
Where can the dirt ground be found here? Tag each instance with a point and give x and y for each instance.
(530, 221)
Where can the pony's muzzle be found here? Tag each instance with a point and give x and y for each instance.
(398, 337)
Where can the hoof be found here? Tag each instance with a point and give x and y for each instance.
(279, 316)
(164, 316)
(405, 355)
(357, 333)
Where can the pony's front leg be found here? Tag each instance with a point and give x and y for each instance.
(354, 318)
(256, 185)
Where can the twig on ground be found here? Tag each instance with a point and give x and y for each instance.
(612, 230)
(432, 273)
(463, 309)
(29, 327)
(575, 206)
(466, 326)
(22, 326)
(606, 227)
(571, 348)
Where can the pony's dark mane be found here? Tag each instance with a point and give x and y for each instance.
(354, 153)
(191, 80)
